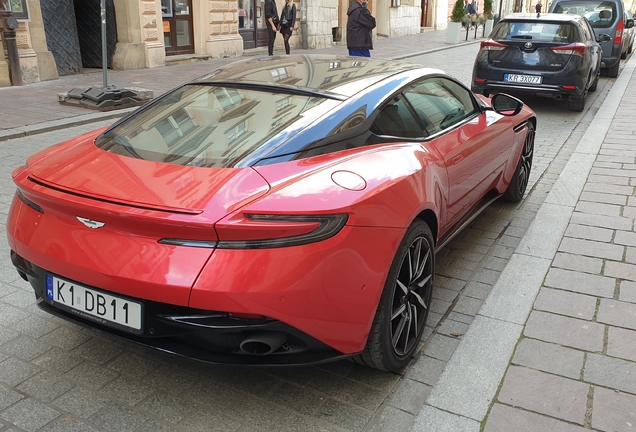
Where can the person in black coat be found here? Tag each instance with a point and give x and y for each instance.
(272, 22)
(287, 21)
(360, 22)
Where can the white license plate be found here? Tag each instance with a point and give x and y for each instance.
(94, 305)
(524, 79)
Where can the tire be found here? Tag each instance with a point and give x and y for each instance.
(594, 86)
(612, 72)
(624, 55)
(519, 183)
(403, 309)
(576, 103)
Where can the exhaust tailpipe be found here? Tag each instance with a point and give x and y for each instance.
(263, 343)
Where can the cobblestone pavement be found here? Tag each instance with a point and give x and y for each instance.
(58, 376)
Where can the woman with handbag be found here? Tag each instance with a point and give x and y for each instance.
(287, 21)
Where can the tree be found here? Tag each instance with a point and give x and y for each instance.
(458, 11)
(488, 8)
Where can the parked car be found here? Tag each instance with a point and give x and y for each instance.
(279, 210)
(553, 54)
(628, 36)
(606, 18)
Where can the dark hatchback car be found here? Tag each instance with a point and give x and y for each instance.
(553, 54)
(606, 18)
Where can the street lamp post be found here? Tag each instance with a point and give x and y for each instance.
(104, 44)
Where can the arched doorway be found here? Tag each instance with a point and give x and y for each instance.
(73, 33)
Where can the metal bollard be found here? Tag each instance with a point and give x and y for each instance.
(9, 24)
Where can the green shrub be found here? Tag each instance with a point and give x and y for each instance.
(488, 8)
(458, 11)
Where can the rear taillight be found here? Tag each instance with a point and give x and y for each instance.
(618, 36)
(255, 231)
(576, 48)
(491, 45)
(28, 202)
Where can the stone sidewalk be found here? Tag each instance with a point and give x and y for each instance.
(553, 348)
(34, 108)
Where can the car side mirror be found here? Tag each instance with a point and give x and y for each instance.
(506, 105)
(629, 23)
(604, 37)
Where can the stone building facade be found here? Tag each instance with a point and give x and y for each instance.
(148, 33)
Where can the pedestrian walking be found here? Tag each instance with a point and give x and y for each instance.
(272, 22)
(287, 21)
(360, 22)
(537, 7)
(471, 9)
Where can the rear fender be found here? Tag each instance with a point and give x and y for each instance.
(384, 186)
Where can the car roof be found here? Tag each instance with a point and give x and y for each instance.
(339, 77)
(529, 17)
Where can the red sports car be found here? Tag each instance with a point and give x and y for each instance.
(281, 210)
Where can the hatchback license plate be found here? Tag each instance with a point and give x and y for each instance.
(94, 305)
(524, 79)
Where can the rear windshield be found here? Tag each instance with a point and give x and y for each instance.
(536, 31)
(212, 126)
(600, 14)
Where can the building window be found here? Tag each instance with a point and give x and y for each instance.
(279, 74)
(334, 65)
(327, 80)
(346, 75)
(166, 8)
(234, 133)
(19, 8)
(277, 123)
(228, 97)
(282, 104)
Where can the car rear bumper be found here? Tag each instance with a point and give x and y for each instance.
(552, 83)
(204, 335)
(573, 73)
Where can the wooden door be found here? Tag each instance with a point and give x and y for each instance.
(252, 27)
(424, 20)
(178, 34)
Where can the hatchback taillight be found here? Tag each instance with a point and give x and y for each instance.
(618, 36)
(491, 45)
(576, 48)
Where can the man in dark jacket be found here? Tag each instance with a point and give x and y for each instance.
(360, 22)
(272, 23)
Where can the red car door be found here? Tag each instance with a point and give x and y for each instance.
(474, 145)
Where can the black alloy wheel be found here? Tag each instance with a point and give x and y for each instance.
(409, 309)
(405, 302)
(519, 183)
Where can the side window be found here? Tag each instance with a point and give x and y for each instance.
(440, 103)
(395, 119)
